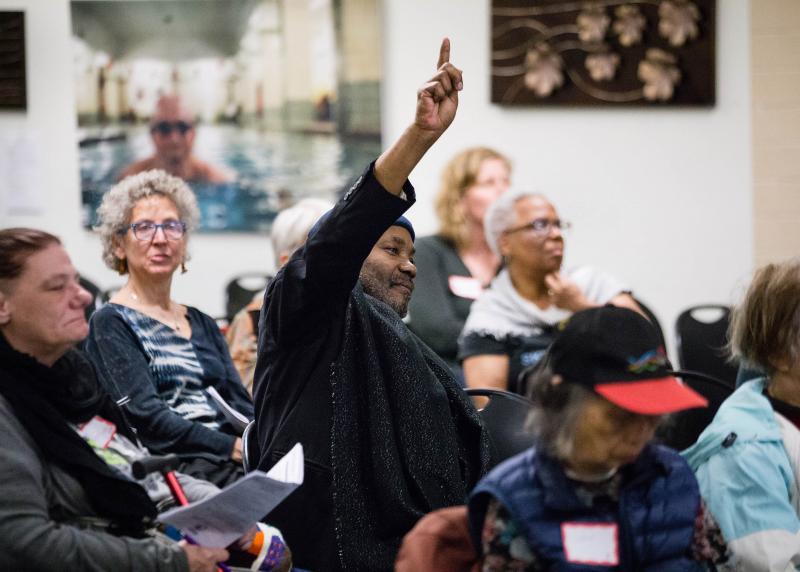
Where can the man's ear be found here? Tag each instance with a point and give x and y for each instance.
(5, 309)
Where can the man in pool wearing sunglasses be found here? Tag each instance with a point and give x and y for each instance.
(172, 131)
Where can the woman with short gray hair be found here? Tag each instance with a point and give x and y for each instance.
(594, 491)
(116, 209)
(510, 326)
(748, 460)
(158, 355)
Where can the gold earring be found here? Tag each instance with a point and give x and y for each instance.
(122, 266)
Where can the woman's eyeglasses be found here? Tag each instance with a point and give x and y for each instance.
(167, 127)
(146, 230)
(541, 226)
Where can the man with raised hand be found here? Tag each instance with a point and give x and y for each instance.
(387, 432)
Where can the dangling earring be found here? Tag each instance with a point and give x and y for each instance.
(183, 267)
(122, 266)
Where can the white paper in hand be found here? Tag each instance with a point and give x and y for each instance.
(235, 418)
(217, 521)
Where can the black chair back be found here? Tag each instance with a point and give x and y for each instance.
(701, 344)
(250, 450)
(109, 293)
(241, 289)
(504, 417)
(97, 299)
(684, 427)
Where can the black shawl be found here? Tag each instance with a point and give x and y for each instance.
(406, 438)
(45, 400)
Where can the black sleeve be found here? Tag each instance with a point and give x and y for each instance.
(432, 315)
(116, 352)
(476, 344)
(320, 276)
(230, 387)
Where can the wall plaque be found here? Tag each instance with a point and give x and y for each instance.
(603, 52)
(12, 60)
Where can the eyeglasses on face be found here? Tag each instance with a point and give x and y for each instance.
(167, 127)
(146, 229)
(541, 226)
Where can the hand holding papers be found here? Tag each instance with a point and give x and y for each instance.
(221, 519)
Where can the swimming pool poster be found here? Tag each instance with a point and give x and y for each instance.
(256, 103)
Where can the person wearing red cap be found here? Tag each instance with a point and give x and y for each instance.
(594, 492)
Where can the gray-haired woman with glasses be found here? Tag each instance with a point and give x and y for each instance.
(511, 325)
(158, 355)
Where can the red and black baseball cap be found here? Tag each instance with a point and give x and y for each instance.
(616, 352)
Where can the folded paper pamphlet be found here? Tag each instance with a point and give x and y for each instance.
(235, 418)
(217, 521)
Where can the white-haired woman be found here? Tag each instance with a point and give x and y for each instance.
(289, 232)
(511, 325)
(161, 355)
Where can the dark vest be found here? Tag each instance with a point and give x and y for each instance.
(658, 503)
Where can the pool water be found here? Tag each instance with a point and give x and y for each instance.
(274, 170)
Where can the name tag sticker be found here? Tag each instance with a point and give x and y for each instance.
(465, 287)
(591, 543)
(98, 430)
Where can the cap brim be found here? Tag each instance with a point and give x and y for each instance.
(651, 397)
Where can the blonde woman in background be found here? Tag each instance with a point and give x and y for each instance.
(289, 232)
(456, 264)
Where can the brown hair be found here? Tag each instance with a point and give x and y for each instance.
(17, 245)
(766, 326)
(458, 175)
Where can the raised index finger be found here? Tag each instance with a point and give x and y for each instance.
(444, 53)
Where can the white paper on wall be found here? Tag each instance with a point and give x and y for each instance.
(20, 173)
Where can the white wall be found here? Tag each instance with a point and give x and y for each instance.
(661, 198)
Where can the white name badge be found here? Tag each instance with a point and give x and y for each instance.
(465, 287)
(591, 543)
(98, 430)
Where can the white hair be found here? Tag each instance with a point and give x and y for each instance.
(114, 213)
(500, 216)
(291, 226)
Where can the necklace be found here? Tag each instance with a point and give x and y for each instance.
(174, 319)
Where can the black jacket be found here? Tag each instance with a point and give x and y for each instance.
(386, 431)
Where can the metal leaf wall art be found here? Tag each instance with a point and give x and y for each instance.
(603, 52)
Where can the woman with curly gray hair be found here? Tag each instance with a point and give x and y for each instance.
(161, 357)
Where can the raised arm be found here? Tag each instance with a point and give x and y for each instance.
(320, 277)
(437, 102)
